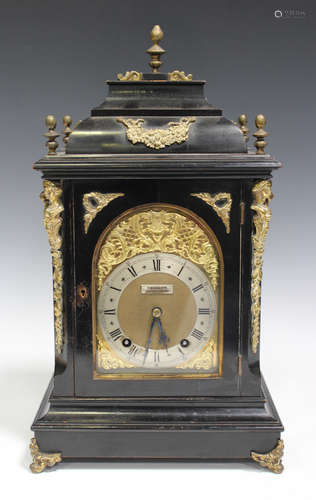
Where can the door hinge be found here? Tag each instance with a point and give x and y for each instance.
(239, 369)
(242, 213)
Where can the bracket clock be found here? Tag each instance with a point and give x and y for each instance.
(157, 212)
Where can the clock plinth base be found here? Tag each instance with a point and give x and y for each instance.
(230, 430)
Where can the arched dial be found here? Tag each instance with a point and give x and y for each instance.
(157, 310)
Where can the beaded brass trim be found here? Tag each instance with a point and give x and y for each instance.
(133, 76)
(271, 460)
(261, 195)
(221, 203)
(42, 460)
(93, 203)
(53, 209)
(178, 76)
(177, 132)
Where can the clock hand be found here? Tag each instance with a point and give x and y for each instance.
(149, 338)
(163, 339)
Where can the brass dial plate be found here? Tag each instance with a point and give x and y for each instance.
(184, 237)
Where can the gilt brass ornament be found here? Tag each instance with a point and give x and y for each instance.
(130, 76)
(221, 203)
(155, 51)
(67, 120)
(260, 134)
(243, 120)
(179, 76)
(106, 358)
(51, 135)
(53, 210)
(271, 460)
(159, 138)
(42, 460)
(93, 203)
(204, 360)
(261, 197)
(157, 230)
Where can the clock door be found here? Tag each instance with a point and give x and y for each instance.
(152, 287)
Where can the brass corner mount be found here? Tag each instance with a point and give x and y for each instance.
(42, 460)
(271, 460)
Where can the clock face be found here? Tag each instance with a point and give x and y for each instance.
(157, 296)
(157, 310)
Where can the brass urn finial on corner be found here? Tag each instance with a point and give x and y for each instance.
(260, 135)
(51, 135)
(67, 120)
(242, 119)
(155, 50)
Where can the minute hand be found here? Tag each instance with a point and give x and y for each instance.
(149, 339)
(163, 339)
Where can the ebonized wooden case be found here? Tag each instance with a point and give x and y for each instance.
(225, 418)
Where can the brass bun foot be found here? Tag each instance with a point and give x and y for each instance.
(271, 460)
(42, 460)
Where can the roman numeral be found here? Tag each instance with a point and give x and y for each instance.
(116, 334)
(156, 264)
(109, 311)
(117, 289)
(156, 357)
(180, 350)
(180, 271)
(132, 271)
(204, 311)
(197, 288)
(133, 350)
(197, 334)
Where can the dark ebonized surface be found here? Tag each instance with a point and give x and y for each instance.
(203, 419)
(221, 418)
(158, 103)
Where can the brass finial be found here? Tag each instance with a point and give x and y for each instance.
(243, 126)
(156, 51)
(260, 135)
(67, 130)
(51, 144)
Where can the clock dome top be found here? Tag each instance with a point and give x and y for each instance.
(155, 113)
